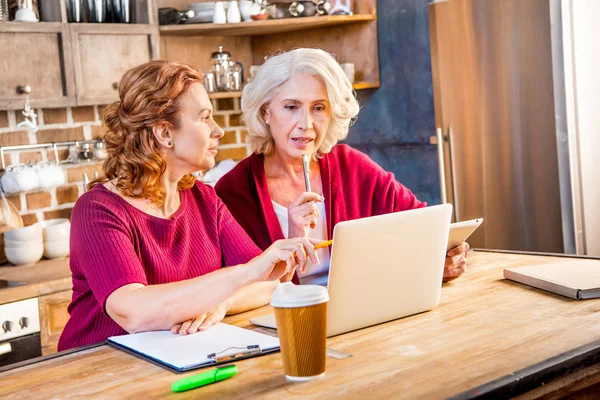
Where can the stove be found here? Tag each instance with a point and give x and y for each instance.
(19, 331)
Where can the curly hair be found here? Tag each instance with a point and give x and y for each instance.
(149, 97)
(276, 71)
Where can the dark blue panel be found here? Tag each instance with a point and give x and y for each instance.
(414, 166)
(400, 112)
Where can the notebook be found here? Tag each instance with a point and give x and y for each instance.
(578, 280)
(221, 343)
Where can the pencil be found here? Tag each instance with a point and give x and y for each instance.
(323, 244)
(306, 169)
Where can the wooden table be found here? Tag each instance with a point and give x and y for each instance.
(498, 336)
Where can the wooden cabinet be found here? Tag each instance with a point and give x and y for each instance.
(103, 52)
(53, 318)
(37, 55)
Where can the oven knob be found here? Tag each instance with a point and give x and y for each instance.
(24, 322)
(7, 326)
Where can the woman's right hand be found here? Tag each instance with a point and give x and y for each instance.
(283, 256)
(303, 214)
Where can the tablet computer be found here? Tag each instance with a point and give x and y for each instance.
(460, 231)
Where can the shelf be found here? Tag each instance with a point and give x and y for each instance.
(224, 95)
(365, 85)
(229, 95)
(268, 27)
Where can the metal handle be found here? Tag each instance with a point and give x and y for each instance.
(441, 168)
(26, 89)
(453, 175)
(5, 348)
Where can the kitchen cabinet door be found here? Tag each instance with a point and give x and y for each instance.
(53, 318)
(103, 52)
(38, 56)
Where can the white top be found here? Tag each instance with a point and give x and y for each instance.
(320, 232)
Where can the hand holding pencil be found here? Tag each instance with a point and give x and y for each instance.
(303, 212)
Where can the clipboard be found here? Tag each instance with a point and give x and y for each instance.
(220, 344)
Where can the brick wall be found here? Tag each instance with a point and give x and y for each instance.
(83, 123)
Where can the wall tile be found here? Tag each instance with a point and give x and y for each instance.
(15, 200)
(60, 135)
(37, 200)
(75, 174)
(235, 153)
(55, 116)
(235, 120)
(229, 138)
(29, 219)
(4, 119)
(98, 131)
(225, 104)
(219, 119)
(14, 138)
(62, 213)
(30, 157)
(83, 114)
(67, 194)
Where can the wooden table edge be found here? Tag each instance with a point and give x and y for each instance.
(529, 378)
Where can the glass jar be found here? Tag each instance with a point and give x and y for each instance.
(84, 152)
(100, 153)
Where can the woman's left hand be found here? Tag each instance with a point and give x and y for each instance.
(203, 321)
(456, 262)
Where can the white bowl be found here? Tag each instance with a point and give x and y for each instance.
(56, 248)
(56, 229)
(15, 244)
(24, 255)
(28, 233)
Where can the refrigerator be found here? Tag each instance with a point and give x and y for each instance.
(517, 109)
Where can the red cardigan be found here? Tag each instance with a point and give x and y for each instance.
(354, 187)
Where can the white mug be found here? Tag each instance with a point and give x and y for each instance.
(233, 13)
(219, 16)
(348, 69)
(246, 7)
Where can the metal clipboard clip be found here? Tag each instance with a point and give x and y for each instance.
(244, 352)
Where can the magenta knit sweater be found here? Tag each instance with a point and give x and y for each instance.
(115, 244)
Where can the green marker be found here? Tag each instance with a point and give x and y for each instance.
(205, 378)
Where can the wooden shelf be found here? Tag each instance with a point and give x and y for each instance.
(228, 95)
(365, 85)
(268, 27)
(224, 95)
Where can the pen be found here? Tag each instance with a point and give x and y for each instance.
(323, 244)
(306, 169)
(204, 378)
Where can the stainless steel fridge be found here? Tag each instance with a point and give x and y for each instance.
(517, 108)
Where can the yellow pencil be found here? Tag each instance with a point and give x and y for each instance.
(324, 244)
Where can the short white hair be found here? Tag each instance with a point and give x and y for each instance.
(279, 69)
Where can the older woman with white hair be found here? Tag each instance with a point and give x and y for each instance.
(302, 103)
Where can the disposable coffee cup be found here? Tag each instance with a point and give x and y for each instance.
(301, 315)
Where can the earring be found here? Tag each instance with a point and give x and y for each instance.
(170, 144)
(267, 122)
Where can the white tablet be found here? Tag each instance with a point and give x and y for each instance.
(460, 231)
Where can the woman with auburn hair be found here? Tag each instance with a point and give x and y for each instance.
(302, 103)
(148, 243)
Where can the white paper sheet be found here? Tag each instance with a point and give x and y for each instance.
(183, 352)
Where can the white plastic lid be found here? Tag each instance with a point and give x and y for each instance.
(288, 295)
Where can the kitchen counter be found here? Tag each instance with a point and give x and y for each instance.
(42, 278)
(489, 336)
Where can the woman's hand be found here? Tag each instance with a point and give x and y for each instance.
(282, 258)
(456, 262)
(203, 321)
(303, 214)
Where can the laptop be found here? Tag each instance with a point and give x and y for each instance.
(384, 268)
